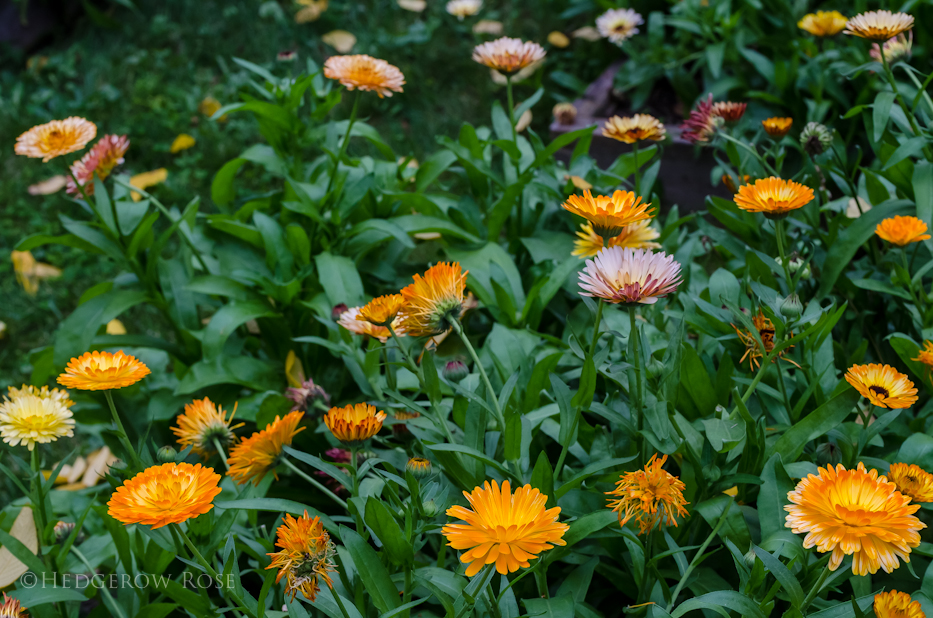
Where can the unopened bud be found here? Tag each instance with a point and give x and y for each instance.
(655, 367)
(828, 454)
(815, 138)
(62, 530)
(750, 558)
(338, 311)
(429, 507)
(167, 454)
(791, 307)
(455, 371)
(419, 467)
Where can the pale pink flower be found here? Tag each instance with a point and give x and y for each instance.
(619, 275)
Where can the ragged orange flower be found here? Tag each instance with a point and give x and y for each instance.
(753, 351)
(823, 23)
(305, 556)
(254, 457)
(354, 424)
(902, 231)
(633, 129)
(102, 371)
(879, 25)
(883, 385)
(777, 127)
(434, 301)
(11, 608)
(365, 73)
(773, 197)
(896, 604)
(350, 320)
(56, 138)
(855, 513)
(167, 494)
(925, 356)
(503, 529)
(912, 481)
(650, 496)
(609, 215)
(635, 236)
(203, 425)
(382, 311)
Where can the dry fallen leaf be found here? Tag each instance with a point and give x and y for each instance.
(23, 530)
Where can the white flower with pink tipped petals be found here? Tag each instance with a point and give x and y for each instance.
(620, 275)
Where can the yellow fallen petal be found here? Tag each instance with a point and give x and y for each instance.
(115, 327)
(146, 180)
(341, 40)
(558, 39)
(182, 142)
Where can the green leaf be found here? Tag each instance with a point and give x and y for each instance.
(278, 505)
(781, 573)
(772, 496)
(371, 571)
(76, 332)
(917, 449)
(41, 595)
(387, 530)
(817, 423)
(416, 224)
(587, 387)
(156, 610)
(568, 415)
(340, 279)
(222, 191)
(923, 191)
(431, 169)
(845, 610)
(908, 349)
(589, 524)
(881, 111)
(542, 477)
(225, 322)
(561, 607)
(729, 599)
(589, 471)
(882, 287)
(471, 452)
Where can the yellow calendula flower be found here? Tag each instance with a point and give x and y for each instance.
(502, 528)
(209, 106)
(883, 385)
(351, 320)
(100, 371)
(912, 481)
(354, 424)
(182, 142)
(773, 197)
(896, 604)
(167, 494)
(879, 25)
(855, 513)
(434, 301)
(609, 215)
(636, 236)
(30, 419)
(365, 73)
(637, 128)
(777, 127)
(823, 23)
(56, 138)
(383, 310)
(55, 394)
(30, 273)
(902, 231)
(305, 556)
(147, 179)
(254, 457)
(203, 425)
(649, 496)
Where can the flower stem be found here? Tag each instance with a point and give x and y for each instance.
(508, 88)
(636, 362)
(317, 484)
(346, 142)
(754, 152)
(390, 374)
(699, 555)
(343, 610)
(635, 153)
(779, 236)
(815, 590)
(220, 451)
(39, 506)
(121, 432)
(500, 418)
(599, 319)
(900, 100)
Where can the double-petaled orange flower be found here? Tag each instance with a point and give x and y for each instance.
(635, 236)
(354, 424)
(382, 311)
(167, 494)
(823, 23)
(609, 215)
(902, 231)
(777, 127)
(912, 481)
(637, 128)
(102, 371)
(649, 496)
(202, 424)
(56, 138)
(254, 457)
(896, 604)
(730, 111)
(434, 301)
(773, 197)
(503, 529)
(365, 73)
(305, 556)
(883, 385)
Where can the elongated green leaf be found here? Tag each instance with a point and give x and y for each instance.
(729, 599)
(279, 505)
(777, 568)
(814, 425)
(225, 322)
(371, 571)
(388, 531)
(340, 279)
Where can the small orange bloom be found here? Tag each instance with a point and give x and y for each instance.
(257, 455)
(354, 424)
(167, 494)
(896, 604)
(902, 231)
(650, 496)
(912, 481)
(306, 555)
(753, 351)
(56, 138)
(366, 73)
(925, 356)
(633, 129)
(883, 385)
(202, 423)
(434, 301)
(777, 127)
(773, 197)
(823, 23)
(609, 215)
(382, 311)
(102, 371)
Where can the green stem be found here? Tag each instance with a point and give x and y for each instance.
(491, 601)
(220, 451)
(92, 570)
(508, 88)
(121, 432)
(390, 374)
(39, 508)
(523, 573)
(599, 319)
(317, 484)
(339, 601)
(779, 236)
(697, 556)
(406, 592)
(635, 153)
(636, 362)
(643, 589)
(210, 571)
(815, 590)
(346, 142)
(355, 471)
(910, 283)
(500, 417)
(754, 152)
(900, 100)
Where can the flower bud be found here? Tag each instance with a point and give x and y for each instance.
(62, 530)
(791, 307)
(750, 558)
(419, 467)
(429, 507)
(166, 454)
(338, 311)
(815, 138)
(828, 454)
(655, 367)
(455, 371)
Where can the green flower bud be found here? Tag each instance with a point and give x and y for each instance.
(455, 371)
(791, 307)
(828, 454)
(816, 138)
(167, 454)
(429, 507)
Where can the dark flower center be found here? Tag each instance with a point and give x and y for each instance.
(880, 391)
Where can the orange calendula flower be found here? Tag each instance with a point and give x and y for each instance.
(254, 457)
(354, 424)
(902, 231)
(202, 424)
(306, 556)
(823, 23)
(753, 351)
(912, 481)
(635, 236)
(382, 311)
(773, 197)
(896, 604)
(883, 385)
(508, 55)
(99, 161)
(167, 494)
(729, 110)
(102, 371)
(650, 496)
(350, 320)
(56, 138)
(879, 25)
(11, 608)
(925, 356)
(503, 529)
(637, 128)
(609, 215)
(434, 301)
(777, 127)
(366, 73)
(854, 513)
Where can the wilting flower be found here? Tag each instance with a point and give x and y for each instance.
(857, 513)
(902, 231)
(558, 39)
(30, 419)
(101, 371)
(306, 555)
(633, 129)
(98, 162)
(366, 73)
(488, 26)
(508, 55)
(823, 23)
(925, 356)
(167, 494)
(147, 179)
(202, 423)
(464, 8)
(650, 496)
(11, 608)
(503, 529)
(311, 10)
(879, 25)
(702, 123)
(306, 394)
(729, 110)
(29, 273)
(354, 424)
(565, 113)
(254, 457)
(419, 467)
(912, 481)
(609, 215)
(636, 236)
(777, 127)
(624, 276)
(896, 604)
(56, 138)
(773, 197)
(434, 301)
(815, 138)
(182, 142)
(894, 49)
(617, 25)
(753, 351)
(883, 385)
(383, 310)
(349, 320)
